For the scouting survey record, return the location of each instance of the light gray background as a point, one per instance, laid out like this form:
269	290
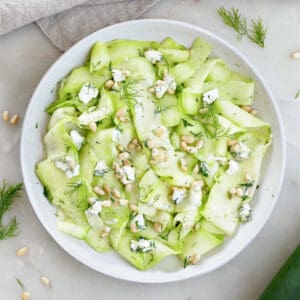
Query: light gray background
26	54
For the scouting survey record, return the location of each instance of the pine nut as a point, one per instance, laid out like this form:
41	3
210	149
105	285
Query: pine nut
121	112
157	227
232	143
295	55
5	116
131	146
115	166
253	112
133	207
105	231
183	145
15	119
203	111
127	162
150	144
170	91
106	203
196	169
138	148
45	280
188	139
109	84
22	251
134	141
106	188
239	192
195	259
128	187
183	164
123	156
92	200
246	108
160	131
123	202
25	295
93	126
98	190
232	191
133	228
248	177
116	194
199	144
151	90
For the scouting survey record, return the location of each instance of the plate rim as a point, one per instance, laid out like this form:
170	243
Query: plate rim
278	118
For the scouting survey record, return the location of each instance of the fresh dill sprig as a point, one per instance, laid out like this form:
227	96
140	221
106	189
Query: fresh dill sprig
297	94
211	124
20	283
7	195
233	18
258	33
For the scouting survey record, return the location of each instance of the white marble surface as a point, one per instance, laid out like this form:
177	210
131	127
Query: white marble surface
25	55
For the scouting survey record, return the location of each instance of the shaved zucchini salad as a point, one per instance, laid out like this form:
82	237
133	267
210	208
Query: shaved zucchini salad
153	149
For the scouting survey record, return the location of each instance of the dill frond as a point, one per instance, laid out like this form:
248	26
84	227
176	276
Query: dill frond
233	18
258	33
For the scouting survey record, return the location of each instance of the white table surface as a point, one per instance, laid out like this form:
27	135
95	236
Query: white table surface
26	54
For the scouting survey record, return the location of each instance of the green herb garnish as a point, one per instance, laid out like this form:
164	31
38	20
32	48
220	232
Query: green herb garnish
7	195
203	169
186	261
233	18
20	283
297	94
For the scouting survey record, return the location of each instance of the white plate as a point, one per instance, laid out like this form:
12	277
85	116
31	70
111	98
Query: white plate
171	268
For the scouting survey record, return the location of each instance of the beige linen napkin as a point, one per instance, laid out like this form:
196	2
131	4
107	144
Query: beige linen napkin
65	22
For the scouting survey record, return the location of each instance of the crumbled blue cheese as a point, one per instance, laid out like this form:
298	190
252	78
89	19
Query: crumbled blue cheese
142	245
77	138
178	194
153	56
127	174
119	75
170	81
245	212
195	193
67	165
161	86
95	209
87	93
240	151
233	167
116	135
210	96
139	221
101	168
92	115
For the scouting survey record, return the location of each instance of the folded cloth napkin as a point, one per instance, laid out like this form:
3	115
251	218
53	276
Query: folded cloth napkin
65	22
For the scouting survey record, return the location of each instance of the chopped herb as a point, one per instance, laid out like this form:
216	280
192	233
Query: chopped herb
73	187
186	123
36	125
233	18
297	94
47	193
7	195
20	283
211	124
203	169
186	261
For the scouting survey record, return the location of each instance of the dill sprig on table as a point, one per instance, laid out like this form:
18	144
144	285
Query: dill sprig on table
258	33
7	195
233	18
